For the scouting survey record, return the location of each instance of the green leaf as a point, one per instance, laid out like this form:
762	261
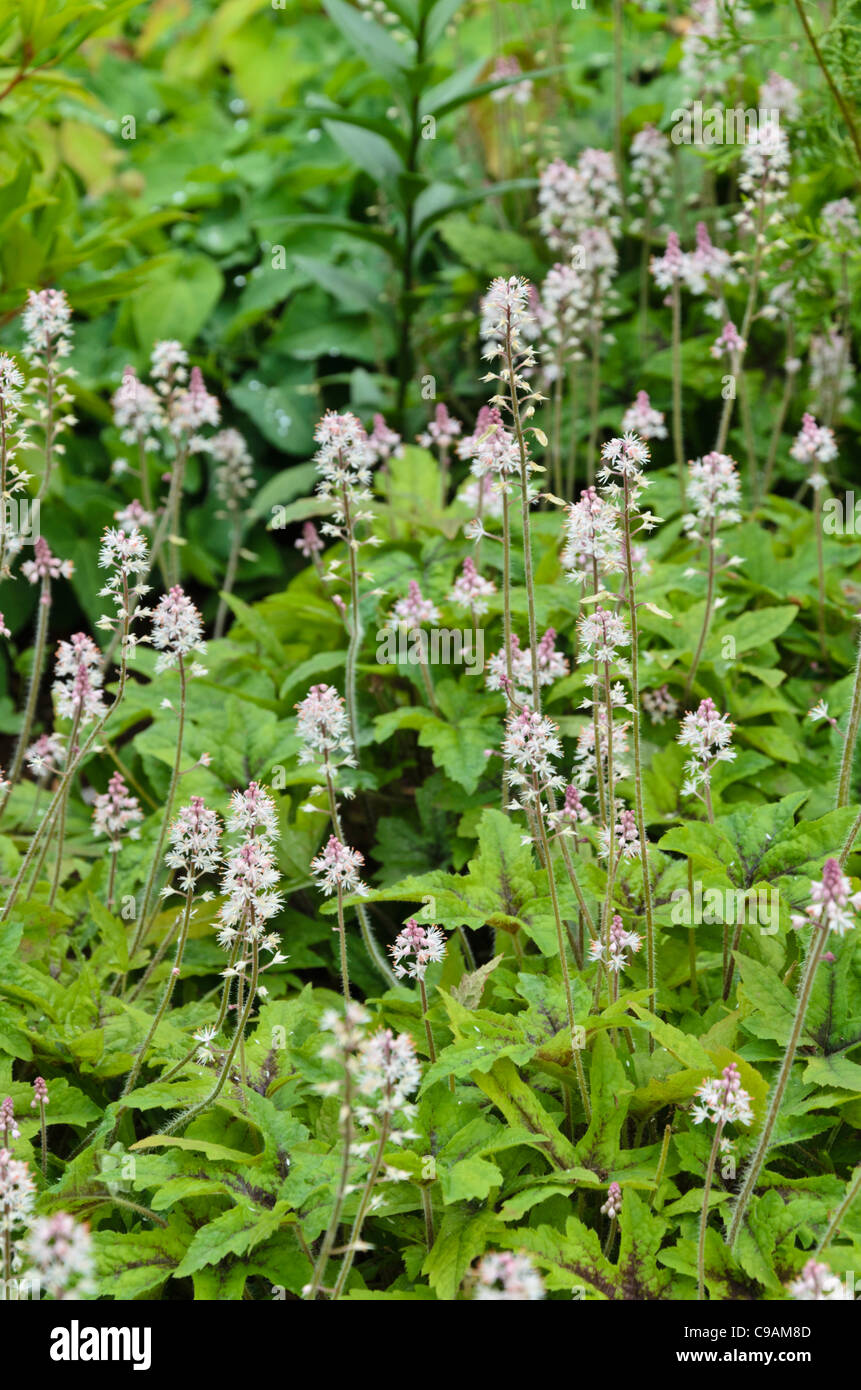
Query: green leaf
379	50
520	1105
236	1232
131	1264
610	1091
176	302
461	1238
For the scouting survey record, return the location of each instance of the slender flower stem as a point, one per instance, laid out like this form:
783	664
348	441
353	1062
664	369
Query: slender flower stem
844	785
612	862
50	430
832	86
574	401
355	624
820	569
69	772
222	1013
814	955
43	1129
596	724
334	1221
347	1263
779	421
704	1218
229	576
370	941
342	935
563	957
594	399
427	1210
64	802
506	616
42	613
651	962
163	530
834	1225
524	516
144	921
850	841
662	1161
112	876
167	996
204	1104
645	254
428	685
707	616
678	435
428	1033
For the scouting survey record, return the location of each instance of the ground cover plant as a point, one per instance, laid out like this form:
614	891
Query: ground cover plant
430	691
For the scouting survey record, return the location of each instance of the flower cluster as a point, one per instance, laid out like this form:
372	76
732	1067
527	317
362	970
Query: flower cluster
517	92
189	410
415	609
643	419
723	1100
660	705
816	1282
415	948
387	1073
47	325
572	199
78	680
177	631
116	812
383	443
249	881
713	494
323	725
729	343
57	1255
45	565
124	552
832	904
593	544
337	868
470	590
708	735
195	848
613	1204
531	745
778	93
505	1277
441	431
832	375
626	838
13	438
620	941
651	173
45	755
343	461
551	665
234	473
764	177
138	412
814	445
